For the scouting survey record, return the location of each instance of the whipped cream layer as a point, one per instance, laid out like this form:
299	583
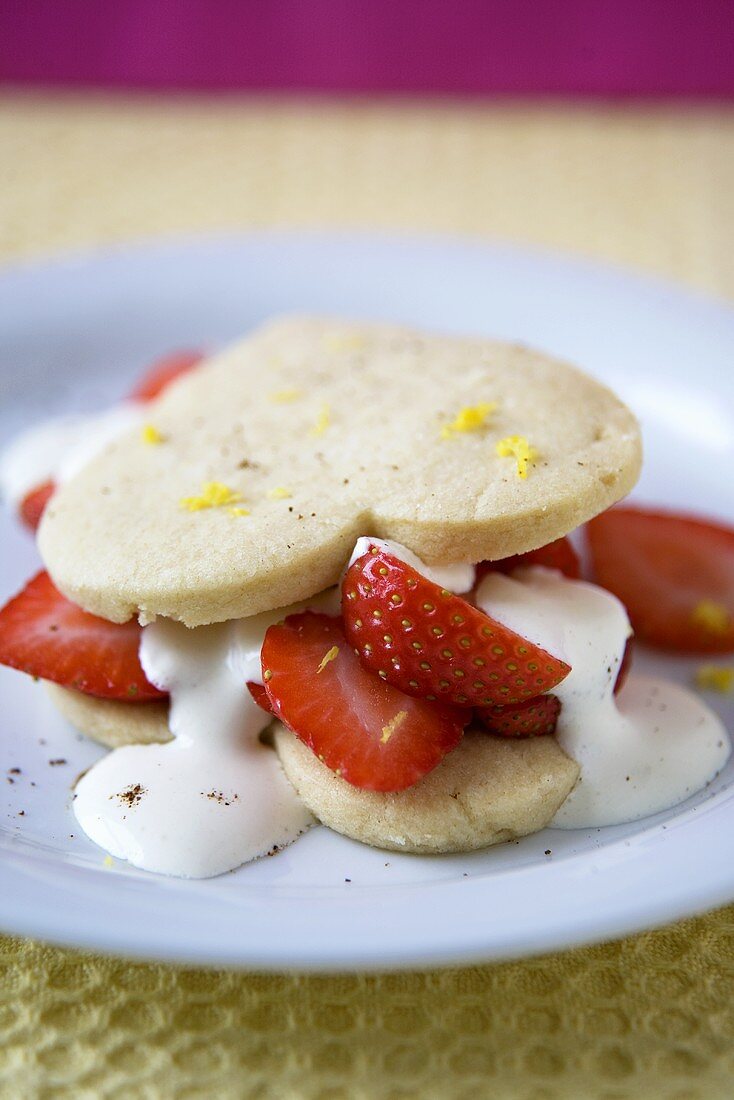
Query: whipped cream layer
643	751
216	797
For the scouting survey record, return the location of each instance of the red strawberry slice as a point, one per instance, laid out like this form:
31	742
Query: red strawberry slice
534	718
163	372
33	504
555	555
44	634
538	717
366	731
428	642
673	573
259	695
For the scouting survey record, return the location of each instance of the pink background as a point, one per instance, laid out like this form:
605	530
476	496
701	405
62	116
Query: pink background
588	47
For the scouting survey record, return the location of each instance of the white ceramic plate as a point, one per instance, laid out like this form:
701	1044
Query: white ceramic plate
74	333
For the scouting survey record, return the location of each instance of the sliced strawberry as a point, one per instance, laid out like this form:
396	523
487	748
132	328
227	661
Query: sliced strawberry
538	717
673	573
555	555
428	642
33	504
259	695
534	718
44	634
366	731
163	372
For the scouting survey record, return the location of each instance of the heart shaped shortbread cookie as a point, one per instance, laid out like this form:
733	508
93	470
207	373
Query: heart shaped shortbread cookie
258	471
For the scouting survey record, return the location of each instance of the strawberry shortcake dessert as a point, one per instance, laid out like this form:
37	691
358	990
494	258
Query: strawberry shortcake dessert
335	574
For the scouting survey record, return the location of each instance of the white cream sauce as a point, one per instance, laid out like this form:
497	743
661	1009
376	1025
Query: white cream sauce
215	797
58	449
646	750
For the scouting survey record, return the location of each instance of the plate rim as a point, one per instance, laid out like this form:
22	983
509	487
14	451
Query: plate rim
130	247
334	957
651	909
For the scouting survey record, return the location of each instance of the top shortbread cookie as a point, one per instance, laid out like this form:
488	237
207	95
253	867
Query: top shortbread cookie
259	470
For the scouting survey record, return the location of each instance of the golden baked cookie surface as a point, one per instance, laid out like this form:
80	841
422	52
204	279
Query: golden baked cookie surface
268	462
110	722
486	791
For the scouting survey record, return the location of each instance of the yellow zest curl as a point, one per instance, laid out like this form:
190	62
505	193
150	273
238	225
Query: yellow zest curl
332	655
517	447
711	617
238	511
394	724
279	493
469	419
214	494
150	434
715	678
284	397
322	421
343	341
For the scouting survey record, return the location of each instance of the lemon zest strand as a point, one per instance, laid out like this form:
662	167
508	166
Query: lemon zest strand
322	421
517	447
331	655
150	434
711	616
715	678
392	725
469	419
342	341
214	494
284	397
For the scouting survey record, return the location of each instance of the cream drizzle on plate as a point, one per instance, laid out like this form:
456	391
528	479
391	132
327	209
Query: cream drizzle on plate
215	797
645	750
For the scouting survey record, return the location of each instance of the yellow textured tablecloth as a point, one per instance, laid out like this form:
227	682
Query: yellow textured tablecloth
651	1016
